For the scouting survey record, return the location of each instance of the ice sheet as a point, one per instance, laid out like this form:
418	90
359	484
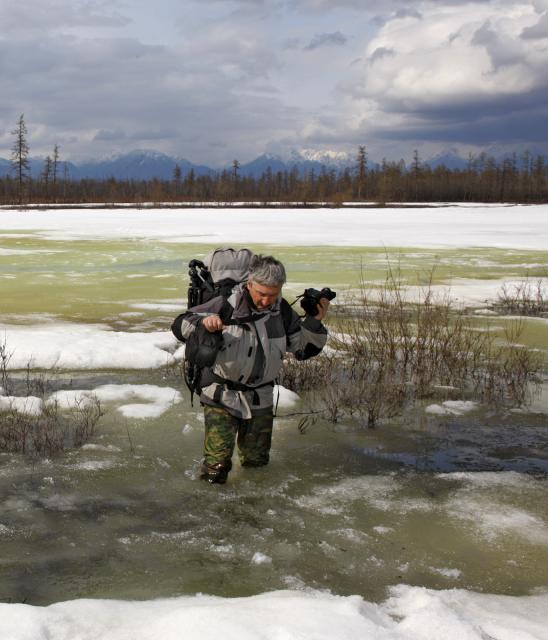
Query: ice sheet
517	226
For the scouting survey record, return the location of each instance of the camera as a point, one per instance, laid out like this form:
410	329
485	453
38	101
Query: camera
311	298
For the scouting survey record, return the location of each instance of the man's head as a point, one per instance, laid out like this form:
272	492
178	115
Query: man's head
266	279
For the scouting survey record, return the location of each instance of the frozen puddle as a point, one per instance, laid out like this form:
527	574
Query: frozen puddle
410	613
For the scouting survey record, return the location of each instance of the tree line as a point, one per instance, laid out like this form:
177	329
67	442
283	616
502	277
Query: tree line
485	179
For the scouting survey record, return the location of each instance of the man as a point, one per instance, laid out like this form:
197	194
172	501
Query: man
258	326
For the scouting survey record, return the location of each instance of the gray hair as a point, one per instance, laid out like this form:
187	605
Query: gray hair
268	271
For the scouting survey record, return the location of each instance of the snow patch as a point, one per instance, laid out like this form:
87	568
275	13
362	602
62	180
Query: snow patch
518	226
77	347
157	399
29	405
334	499
261	558
496	520
383	530
446	573
410	613
287	398
452	407
158	306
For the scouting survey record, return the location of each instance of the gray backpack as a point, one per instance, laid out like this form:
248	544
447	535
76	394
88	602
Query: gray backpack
218	274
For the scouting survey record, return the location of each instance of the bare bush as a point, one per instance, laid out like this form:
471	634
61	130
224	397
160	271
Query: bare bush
33	425
51	431
390	352
525	298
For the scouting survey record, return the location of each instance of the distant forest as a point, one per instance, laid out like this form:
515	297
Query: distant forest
485	179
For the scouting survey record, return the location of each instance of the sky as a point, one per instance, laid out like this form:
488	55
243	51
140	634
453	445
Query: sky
214	80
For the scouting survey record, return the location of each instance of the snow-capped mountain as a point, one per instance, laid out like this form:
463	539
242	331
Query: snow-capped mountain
327	157
148	164
141	164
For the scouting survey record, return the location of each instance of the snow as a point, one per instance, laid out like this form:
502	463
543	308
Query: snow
151	306
157	399
493	521
261	558
65	345
517	226
410	613
28	405
446	573
452	407
286	398
468	291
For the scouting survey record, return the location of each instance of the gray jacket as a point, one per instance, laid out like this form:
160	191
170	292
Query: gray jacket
252	352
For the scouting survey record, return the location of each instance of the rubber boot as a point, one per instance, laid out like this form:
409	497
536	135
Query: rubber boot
215	473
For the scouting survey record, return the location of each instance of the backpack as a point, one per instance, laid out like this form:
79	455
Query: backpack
217	275
220	272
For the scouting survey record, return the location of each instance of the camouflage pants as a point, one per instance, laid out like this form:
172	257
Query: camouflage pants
222	430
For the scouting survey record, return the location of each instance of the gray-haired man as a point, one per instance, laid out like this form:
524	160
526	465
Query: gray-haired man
236	391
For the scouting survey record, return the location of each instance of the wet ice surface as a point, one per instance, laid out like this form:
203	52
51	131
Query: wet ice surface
351	511
452	500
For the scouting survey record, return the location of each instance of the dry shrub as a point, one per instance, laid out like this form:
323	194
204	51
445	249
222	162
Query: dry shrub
52	430
390	352
526	298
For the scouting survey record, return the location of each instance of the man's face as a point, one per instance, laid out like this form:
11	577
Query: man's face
263	296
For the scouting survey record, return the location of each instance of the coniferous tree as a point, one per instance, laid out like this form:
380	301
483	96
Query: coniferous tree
235	177
54	170
361	170
177	178
20	156
47	174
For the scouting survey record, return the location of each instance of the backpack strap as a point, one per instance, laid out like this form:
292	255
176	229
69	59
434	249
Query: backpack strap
287	314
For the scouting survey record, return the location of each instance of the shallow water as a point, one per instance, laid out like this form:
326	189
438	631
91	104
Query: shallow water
435	501
346	509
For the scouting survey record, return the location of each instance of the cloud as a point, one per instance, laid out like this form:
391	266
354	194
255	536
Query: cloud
538	31
103	134
381	52
42	16
447	73
218	79
326	40
452	56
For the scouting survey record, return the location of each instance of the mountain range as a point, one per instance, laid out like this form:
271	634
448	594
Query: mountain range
147	164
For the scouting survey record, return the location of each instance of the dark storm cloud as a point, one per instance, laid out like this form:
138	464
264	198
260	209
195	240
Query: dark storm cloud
484	130
326	40
518	118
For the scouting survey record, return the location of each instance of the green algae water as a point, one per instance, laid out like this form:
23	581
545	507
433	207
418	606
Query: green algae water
440	502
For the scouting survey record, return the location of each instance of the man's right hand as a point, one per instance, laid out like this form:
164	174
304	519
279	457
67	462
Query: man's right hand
213	323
